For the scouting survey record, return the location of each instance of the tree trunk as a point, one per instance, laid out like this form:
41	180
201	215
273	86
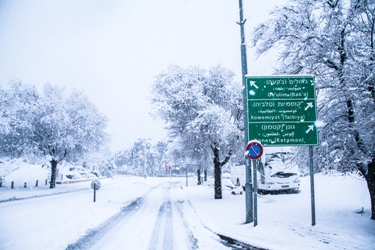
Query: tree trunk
370	174
370	178
217	170
217	174
53	173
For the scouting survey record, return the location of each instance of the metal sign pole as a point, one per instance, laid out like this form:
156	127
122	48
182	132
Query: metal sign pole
255	192
254	151
94	192
312	185
249	194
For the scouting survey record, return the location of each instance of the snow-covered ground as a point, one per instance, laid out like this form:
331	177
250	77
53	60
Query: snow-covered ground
284	220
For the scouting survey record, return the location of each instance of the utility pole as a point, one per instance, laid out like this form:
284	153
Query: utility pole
145	166
248	184
133	162
186	168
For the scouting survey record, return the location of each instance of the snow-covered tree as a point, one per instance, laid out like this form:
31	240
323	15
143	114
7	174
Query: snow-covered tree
123	157
50	124
17	107
143	155
98	160
201	109
160	150
333	40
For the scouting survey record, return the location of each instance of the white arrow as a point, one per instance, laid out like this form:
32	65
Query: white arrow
311	128
309	105
252	84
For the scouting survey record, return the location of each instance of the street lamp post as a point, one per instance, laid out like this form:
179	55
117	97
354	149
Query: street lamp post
186	168
146	152
170	169
133	161
139	164
248	184
144	169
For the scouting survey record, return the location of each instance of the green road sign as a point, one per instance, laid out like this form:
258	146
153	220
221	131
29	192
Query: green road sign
284	134
282	110
280	87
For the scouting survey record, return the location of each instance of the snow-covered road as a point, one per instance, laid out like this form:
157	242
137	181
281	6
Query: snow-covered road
164	213
129	213
153	221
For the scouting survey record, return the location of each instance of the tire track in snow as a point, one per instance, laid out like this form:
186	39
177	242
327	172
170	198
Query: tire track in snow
163	234
147	223
93	236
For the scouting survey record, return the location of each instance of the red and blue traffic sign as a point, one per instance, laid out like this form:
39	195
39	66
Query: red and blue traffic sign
254	150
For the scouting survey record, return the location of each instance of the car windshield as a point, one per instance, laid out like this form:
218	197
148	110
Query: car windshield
283	175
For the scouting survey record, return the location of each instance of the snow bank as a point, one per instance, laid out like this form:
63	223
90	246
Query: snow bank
20	172
26	173
284	220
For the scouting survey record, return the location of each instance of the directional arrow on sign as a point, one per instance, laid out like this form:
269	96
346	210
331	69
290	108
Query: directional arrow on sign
252	84
309	105
310	128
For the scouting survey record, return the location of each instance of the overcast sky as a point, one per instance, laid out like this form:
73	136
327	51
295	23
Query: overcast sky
113	49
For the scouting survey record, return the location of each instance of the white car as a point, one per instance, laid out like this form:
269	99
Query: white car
279	181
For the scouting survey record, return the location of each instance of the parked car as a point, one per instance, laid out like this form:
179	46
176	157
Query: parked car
279	181
276	172
276	182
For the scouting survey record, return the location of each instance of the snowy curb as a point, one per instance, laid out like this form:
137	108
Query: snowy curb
40	195
79	180
232	241
228	239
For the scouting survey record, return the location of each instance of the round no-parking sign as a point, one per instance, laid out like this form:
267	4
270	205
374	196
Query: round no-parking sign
95	184
254	150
